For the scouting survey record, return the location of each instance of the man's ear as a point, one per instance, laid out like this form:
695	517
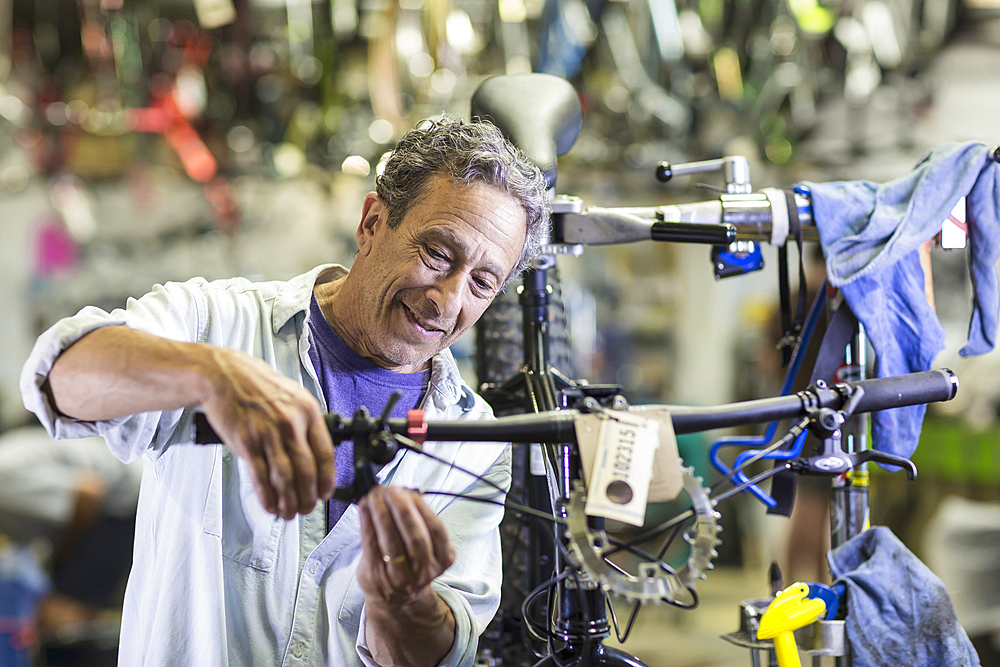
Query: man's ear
372	216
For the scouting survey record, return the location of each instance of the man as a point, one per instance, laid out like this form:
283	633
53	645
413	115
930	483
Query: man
233	563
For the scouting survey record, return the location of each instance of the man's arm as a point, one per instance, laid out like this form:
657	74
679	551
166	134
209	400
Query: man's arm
270	421
405	547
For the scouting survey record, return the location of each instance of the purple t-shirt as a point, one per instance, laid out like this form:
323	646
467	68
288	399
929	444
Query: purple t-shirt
350	381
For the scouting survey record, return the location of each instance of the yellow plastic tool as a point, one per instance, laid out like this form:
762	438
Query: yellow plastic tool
790	610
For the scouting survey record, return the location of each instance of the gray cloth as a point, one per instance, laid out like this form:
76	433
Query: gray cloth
898	611
870	235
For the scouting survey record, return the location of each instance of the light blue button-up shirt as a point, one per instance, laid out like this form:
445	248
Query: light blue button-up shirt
215	579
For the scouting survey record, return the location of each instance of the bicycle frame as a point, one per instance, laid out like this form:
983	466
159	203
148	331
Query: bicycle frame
737	216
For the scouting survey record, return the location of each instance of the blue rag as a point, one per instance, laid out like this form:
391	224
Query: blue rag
898	611
870	234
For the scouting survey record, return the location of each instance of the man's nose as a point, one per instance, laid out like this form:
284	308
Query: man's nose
448	294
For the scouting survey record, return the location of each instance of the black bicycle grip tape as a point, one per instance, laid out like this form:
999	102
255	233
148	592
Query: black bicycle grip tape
913	389
688	232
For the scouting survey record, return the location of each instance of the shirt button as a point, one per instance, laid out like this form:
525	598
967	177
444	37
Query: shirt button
314	568
298	650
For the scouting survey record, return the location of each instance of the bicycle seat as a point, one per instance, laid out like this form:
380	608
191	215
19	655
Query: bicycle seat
538	113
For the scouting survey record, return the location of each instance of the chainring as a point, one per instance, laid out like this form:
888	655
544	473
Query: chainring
653	583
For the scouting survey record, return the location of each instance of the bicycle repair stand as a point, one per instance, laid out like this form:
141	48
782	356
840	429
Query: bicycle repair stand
849	517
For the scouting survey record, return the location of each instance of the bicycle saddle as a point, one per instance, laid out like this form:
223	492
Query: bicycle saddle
538	113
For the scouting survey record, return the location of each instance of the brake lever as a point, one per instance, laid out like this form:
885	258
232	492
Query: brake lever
833	460
364	477
908	466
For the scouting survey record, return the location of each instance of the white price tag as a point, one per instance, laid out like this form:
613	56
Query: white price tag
667	482
621	465
536	458
955	230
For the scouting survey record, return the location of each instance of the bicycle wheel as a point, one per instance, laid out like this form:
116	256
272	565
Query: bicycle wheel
499	356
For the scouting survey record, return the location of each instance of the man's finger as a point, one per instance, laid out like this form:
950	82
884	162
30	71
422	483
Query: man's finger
261	483
390	543
444	551
280	473
369	542
323	453
412	527
300	456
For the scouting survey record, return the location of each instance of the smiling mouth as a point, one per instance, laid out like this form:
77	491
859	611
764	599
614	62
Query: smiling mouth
420	322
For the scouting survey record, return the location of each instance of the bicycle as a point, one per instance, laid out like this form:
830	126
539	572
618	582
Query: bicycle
584	546
734	225
582	573
535	385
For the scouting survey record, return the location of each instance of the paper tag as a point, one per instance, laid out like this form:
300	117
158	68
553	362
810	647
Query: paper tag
955	230
667	482
621	464
536	460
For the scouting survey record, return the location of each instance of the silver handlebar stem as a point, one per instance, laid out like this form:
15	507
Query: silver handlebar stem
752	214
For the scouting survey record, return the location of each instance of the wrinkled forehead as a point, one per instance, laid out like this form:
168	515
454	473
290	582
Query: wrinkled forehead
475	216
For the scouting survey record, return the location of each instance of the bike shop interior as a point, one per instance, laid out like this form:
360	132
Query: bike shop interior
145	141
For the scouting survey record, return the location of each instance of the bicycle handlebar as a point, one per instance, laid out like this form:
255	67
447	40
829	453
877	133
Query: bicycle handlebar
879	394
732	217
558	426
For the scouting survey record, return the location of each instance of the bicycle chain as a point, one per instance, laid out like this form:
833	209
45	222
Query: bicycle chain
652	583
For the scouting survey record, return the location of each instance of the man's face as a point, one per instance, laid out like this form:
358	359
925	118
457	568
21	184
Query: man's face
427	281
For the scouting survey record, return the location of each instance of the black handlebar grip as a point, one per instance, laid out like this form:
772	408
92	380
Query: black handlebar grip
687	232
880	394
913	389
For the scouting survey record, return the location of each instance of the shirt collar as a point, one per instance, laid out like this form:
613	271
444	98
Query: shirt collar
445	379
295	296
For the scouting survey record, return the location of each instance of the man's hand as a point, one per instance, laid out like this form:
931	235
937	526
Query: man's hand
277	427
268	420
405	546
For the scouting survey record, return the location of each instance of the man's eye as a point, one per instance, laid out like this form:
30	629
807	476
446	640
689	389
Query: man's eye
435	254
485	285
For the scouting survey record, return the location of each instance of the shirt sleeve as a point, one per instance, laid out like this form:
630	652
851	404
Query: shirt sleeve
170	311
463	650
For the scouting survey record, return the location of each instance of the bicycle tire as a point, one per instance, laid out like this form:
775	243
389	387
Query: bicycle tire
499	353
499	356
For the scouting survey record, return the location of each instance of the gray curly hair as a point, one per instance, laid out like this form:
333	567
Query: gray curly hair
465	152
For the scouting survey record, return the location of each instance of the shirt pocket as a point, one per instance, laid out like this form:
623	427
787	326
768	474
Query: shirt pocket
354	602
249	534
